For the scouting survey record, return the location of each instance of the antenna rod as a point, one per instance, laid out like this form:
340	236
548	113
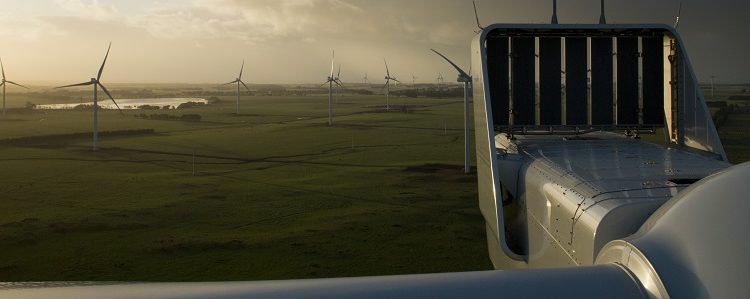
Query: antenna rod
602	19
554	11
679	12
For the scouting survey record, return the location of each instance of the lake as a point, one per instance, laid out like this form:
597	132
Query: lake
173	103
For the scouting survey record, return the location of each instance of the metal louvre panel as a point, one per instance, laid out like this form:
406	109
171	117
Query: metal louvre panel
627	81
653	81
601	81
497	65
576	104
550	86
523	76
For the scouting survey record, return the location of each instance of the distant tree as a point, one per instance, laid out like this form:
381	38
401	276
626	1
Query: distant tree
190	105
191	117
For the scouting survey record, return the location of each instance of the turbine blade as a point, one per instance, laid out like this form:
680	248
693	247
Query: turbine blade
2	67
79	84
16	84
386	84
333	56
387	72
110	96
241	68
476	15
394	79
339	73
324	84
243	84
3	83
338	82
235	81
101	69
460	71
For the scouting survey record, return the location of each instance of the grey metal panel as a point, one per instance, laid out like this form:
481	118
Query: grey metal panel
582	193
499	81
550	86
695	245
601	281
601	81
523	77
627	81
653	81
576	81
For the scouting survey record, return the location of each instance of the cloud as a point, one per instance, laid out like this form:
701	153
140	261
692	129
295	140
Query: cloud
294	37
25	28
93	9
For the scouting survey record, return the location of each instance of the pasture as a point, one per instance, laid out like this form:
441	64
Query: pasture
272	193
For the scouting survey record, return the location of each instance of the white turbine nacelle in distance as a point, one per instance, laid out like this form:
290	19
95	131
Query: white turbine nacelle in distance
464	78
388	78
330	80
239	81
4	82
97	84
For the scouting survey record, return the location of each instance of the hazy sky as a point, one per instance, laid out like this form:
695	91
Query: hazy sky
289	41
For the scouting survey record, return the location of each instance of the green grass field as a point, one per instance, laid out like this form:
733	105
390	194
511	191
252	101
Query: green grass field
277	194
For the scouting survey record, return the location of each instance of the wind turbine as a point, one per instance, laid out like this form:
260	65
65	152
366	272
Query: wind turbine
97	83
365	80
2	83
413	80
440	80
466	80
330	81
388	78
238	81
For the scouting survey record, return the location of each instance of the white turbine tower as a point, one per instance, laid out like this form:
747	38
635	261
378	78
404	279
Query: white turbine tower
330	81
239	81
388	78
3	83
97	83
466	80
413	80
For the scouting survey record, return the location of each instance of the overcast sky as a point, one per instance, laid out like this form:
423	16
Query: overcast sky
289	41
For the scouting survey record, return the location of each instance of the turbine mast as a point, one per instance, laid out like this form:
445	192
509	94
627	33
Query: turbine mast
466	79
96	117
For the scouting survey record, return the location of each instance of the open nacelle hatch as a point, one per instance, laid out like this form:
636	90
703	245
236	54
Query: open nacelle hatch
569	79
